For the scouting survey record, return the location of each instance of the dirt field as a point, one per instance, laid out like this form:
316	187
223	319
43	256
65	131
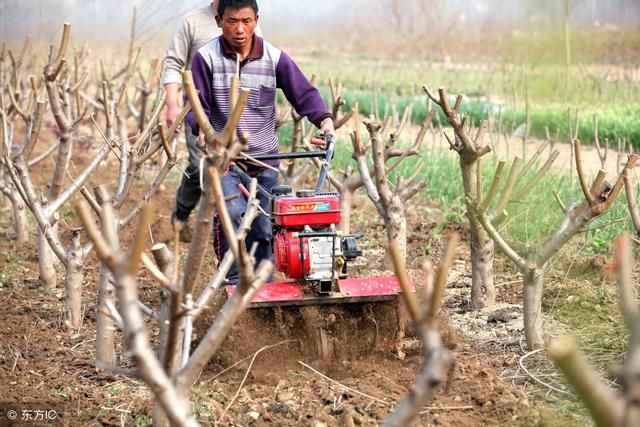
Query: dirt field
263	376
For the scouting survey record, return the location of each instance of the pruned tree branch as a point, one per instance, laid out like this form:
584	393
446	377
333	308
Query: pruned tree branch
437	358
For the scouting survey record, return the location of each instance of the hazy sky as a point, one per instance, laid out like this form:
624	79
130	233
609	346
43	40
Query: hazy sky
19	17
109	19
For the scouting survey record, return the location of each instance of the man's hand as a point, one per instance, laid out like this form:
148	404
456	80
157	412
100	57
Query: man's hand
172	112
200	142
326	127
172	102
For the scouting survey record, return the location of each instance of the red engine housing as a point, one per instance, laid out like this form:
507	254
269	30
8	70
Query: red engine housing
286	251
293	213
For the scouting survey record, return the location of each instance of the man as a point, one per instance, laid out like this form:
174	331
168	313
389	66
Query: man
263	68
196	29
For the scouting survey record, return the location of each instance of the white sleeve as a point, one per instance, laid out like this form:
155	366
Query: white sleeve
175	59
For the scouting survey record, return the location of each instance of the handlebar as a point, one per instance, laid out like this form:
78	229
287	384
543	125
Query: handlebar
324	167
326	155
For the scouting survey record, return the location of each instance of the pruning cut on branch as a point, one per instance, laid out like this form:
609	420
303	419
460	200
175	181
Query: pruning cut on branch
470	151
389	202
436	358
598	198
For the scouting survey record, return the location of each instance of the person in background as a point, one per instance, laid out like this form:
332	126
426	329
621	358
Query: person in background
195	30
263	69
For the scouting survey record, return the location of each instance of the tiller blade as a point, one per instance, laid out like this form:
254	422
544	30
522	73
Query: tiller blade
354	290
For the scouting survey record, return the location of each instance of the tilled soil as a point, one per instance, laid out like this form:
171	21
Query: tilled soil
265	373
45	365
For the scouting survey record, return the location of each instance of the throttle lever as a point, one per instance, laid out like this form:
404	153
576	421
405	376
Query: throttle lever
318	142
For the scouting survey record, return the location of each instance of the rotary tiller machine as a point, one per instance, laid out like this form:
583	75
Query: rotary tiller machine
309	248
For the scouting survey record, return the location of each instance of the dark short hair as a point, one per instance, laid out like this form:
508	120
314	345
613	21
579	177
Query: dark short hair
236	4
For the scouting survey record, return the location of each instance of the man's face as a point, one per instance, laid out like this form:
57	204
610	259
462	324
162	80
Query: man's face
238	26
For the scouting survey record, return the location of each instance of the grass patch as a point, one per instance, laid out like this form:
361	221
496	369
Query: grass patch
530	221
382	86
615	122
586	304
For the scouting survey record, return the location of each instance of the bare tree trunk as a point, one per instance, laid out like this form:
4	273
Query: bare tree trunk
346	197
396	225
20	221
567	40
389	202
169	304
471	151
166	303
73	284
46	263
177	407
105	340
62	163
160	418
599	196
200	239
169	353
533	282
483	292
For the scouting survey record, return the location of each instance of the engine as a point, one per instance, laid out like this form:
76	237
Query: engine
307	244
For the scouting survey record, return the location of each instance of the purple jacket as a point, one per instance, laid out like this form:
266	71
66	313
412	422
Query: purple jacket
263	70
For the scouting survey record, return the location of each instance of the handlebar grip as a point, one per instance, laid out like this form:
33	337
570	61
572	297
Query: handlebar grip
324	171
